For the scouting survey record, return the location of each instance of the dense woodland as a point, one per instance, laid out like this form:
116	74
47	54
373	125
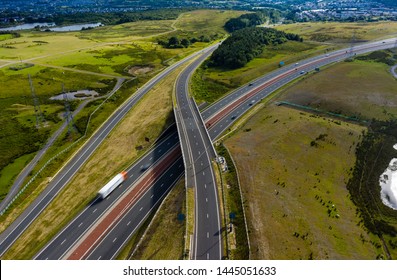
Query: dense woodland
245	44
253	19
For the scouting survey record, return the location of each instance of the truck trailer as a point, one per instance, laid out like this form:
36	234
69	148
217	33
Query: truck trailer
112	185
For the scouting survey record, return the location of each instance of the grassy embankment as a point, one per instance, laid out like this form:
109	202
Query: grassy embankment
164	238
292	160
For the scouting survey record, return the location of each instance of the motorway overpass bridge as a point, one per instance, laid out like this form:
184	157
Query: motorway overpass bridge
198	153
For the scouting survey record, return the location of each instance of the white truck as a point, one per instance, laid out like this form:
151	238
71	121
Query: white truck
112	185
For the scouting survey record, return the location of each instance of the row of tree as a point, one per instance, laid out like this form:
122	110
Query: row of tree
245	44
174	42
243	21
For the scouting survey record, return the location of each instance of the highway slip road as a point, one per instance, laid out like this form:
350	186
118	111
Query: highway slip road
198	151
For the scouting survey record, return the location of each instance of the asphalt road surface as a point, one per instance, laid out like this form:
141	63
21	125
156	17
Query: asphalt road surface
198	151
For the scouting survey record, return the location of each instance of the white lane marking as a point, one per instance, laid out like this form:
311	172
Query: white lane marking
208	215
172	175
162	184
206	199
95	210
208	256
205	185
152	196
114	239
140	209
99	257
203	173
80	224
208	234
128	223
63	241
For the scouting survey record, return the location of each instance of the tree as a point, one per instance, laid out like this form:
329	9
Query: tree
185	42
173	42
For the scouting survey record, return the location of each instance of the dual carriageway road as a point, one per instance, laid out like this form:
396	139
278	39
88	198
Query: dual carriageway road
223	113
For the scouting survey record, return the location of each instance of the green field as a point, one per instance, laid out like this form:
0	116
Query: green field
127	32
205	22
363	89
292	161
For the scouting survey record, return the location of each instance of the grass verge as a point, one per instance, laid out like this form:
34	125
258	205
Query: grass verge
291	161
234	216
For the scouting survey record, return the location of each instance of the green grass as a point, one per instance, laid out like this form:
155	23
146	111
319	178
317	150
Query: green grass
363	89
9	173
114	59
27	47
304	186
206	22
237	240
18	118
127	31
4	37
